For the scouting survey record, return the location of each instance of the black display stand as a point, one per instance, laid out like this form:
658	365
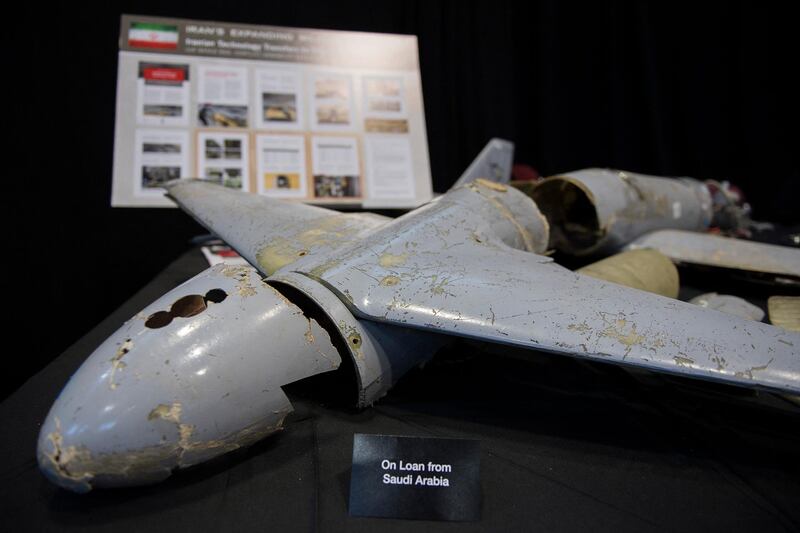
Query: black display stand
565	446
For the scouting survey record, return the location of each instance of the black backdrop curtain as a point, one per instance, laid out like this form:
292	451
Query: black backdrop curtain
698	89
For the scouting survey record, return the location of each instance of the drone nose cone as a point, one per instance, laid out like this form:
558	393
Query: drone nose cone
196	374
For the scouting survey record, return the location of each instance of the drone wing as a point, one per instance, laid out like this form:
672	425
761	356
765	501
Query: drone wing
450	268
268	233
781	263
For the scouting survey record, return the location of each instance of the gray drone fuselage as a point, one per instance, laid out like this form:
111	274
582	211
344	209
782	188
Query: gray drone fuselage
199	372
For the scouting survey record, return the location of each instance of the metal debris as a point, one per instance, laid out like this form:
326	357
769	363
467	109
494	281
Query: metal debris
727	303
600	210
784	312
781	264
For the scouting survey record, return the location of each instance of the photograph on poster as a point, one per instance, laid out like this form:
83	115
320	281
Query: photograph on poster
233	148
282	181
382	125
223	157
161	155
222	116
336	114
213	149
281	163
383	87
336	186
332	88
229	177
162	94
336	167
385	106
155	177
279	107
170	148
150	110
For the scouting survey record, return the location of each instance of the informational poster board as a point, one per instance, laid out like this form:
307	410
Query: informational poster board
326	117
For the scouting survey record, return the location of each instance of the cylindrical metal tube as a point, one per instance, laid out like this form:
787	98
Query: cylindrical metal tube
600	210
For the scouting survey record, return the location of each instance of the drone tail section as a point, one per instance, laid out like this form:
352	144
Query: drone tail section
492	164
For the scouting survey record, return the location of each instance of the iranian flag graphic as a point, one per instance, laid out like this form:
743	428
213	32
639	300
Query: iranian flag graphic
148	35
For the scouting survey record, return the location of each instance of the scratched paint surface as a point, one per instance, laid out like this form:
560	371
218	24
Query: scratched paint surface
460	267
269	233
381	353
177	385
198	373
494	163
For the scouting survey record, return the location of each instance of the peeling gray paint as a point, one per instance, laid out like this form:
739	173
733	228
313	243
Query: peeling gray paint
269	233
190	385
496	291
193	389
601	210
380	353
493	163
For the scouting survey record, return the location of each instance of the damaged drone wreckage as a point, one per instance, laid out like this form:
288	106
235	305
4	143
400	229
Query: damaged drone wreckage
200	371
